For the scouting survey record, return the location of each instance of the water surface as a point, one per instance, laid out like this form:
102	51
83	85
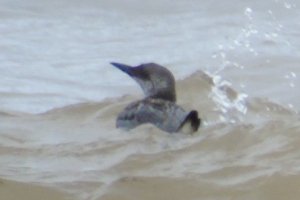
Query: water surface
235	62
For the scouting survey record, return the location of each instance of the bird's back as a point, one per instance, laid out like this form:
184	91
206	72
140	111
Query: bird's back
165	115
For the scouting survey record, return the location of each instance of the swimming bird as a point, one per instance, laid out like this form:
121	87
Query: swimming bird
159	105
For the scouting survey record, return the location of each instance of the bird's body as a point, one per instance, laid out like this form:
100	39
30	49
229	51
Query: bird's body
159	106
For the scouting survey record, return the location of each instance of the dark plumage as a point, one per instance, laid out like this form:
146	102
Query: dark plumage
159	106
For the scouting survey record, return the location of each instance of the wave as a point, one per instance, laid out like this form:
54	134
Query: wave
243	142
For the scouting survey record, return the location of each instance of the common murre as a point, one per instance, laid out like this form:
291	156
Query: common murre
159	106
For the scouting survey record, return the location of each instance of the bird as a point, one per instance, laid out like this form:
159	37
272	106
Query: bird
158	107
